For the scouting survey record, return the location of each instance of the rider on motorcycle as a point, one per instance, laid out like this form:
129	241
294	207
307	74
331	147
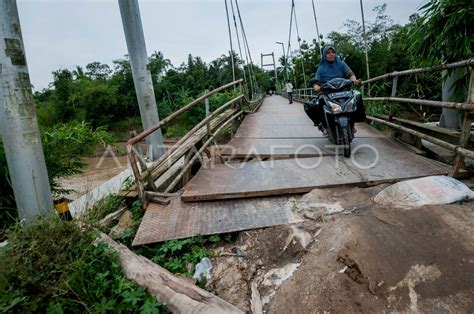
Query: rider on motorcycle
331	66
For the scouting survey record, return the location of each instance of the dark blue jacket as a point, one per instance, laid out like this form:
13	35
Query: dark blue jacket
329	70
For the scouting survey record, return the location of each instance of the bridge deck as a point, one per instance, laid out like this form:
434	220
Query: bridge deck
265	134
274	132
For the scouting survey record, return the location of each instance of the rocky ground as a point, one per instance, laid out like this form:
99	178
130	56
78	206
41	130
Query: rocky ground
351	255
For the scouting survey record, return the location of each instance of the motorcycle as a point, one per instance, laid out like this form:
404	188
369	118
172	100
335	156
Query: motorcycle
340	102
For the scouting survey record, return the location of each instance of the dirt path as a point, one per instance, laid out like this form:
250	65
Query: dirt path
352	256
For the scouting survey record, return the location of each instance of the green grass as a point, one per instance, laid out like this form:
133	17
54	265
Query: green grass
53	266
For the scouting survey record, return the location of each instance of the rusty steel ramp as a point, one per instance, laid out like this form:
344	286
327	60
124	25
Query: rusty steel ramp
300	147
300	175
181	220
311	160
248	130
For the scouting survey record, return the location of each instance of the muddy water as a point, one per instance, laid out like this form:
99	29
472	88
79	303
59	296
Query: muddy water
99	170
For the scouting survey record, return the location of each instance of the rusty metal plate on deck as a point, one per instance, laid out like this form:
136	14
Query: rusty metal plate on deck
181	220
251	130
290	118
297	147
378	163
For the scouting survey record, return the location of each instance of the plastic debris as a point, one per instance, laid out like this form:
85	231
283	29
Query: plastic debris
424	191
239	253
203	269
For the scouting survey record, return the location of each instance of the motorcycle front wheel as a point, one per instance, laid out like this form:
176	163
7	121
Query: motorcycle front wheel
346	140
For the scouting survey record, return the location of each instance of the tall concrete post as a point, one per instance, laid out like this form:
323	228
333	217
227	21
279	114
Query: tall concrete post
451	118
132	26
18	123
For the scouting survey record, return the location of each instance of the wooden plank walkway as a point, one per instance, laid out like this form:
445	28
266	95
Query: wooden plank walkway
376	158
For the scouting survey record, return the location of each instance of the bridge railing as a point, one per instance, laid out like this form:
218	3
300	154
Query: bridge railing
214	122
457	142
301	94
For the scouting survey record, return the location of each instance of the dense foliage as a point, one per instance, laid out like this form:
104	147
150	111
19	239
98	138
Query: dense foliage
105	96
53	266
63	144
443	32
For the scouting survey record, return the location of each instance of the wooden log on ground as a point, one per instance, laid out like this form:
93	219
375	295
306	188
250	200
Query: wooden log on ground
177	294
160	194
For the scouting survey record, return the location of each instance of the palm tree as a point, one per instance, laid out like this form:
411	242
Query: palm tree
158	66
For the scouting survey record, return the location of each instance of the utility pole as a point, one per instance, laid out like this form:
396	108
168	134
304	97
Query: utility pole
132	26
18	122
365	44
284	58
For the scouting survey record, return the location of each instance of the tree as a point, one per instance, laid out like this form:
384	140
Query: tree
158	66
444	33
98	71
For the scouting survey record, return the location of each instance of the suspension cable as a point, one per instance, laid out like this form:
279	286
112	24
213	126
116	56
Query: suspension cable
318	40
289	33
230	39
238	42
299	43
246	45
245	51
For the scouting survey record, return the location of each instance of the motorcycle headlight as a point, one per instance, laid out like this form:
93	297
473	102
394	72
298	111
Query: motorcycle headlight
335	107
350	106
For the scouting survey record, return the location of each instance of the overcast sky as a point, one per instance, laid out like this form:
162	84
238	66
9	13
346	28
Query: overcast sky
63	34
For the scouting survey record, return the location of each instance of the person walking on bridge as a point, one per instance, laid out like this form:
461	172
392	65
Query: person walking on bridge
289	91
331	66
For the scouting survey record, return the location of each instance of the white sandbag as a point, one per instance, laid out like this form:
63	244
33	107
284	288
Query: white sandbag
424	191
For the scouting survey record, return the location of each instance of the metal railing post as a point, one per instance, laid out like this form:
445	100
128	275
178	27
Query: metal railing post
206	104
394	94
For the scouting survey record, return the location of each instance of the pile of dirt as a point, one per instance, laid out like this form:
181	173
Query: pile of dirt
353	256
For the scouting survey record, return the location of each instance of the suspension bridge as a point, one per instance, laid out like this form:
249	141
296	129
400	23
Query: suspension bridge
246	166
274	152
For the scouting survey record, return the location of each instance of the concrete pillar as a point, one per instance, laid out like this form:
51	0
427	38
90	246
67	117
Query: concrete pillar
452	118
18	123
132	25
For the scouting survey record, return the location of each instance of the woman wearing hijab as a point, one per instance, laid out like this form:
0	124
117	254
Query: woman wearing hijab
331	66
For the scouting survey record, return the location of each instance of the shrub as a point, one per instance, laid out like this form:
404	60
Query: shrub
53	266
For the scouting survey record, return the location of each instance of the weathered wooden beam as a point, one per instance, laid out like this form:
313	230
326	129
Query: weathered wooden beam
213	115
433	103
173	116
460	64
182	149
179	295
453	148
447	135
209	140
